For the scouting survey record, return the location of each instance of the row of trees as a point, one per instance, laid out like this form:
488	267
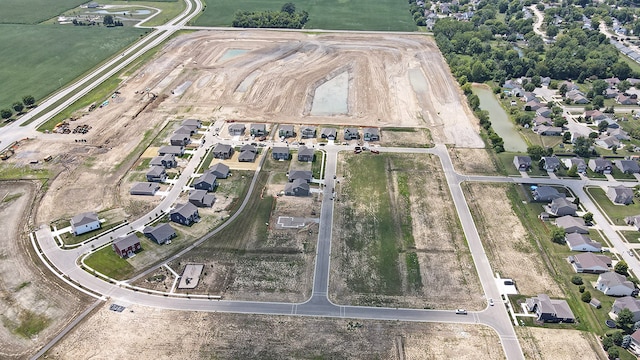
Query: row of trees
286	18
27	101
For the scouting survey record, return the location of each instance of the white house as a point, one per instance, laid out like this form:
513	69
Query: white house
85	222
614	284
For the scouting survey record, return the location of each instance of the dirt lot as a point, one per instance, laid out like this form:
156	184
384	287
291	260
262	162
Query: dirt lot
33	307
505	240
196	335
558	344
472	161
426	226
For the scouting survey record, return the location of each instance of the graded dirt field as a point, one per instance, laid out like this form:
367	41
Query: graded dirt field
505	240
164	334
34	308
397	240
558	344
473	161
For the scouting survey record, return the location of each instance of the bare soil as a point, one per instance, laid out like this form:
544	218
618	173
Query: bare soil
559	344
196	335
34	307
473	161
505	240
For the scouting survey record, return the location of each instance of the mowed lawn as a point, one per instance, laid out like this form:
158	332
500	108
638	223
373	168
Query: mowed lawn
616	213
38	59
34	11
381	15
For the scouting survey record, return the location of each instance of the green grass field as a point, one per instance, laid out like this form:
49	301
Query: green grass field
389	15
109	263
34	11
616	213
46	57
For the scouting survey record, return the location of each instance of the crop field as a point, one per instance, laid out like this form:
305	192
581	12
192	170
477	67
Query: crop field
34	11
49	56
382	15
397	240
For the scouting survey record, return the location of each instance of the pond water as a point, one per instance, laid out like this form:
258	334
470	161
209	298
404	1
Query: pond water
231	53
331	98
500	121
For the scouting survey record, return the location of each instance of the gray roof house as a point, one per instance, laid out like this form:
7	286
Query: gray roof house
298	187
144	188
546	193
201	198
329	133
561	207
351	134
305	175
307	132
180	139
223	151
85	222
171	150
157	174
220	170
600	165
550	310
607	142
572	224
626	302
185	214
590	263
618	134
581	166
545	130
258	129
634	347
581	242
248	147
551	163
544	111
168	161
522	163
280	153
613	284
305	154
371	134
620	194
286	131
627	166
192	122
161	234
126	246
246	156
236	129
633	220
187	130
206	181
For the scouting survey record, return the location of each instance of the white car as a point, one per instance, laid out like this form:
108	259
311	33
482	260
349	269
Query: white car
490	302
461	312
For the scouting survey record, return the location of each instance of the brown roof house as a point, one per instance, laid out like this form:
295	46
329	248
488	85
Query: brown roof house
85	222
590	263
561	207
185	214
550	310
298	187
161	234
126	246
620	194
613	284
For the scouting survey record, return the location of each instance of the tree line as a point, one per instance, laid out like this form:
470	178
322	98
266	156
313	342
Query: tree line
27	101
286	18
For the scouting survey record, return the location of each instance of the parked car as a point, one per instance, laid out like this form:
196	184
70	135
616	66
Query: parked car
461	312
375	151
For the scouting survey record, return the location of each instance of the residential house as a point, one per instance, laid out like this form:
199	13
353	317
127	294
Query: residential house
590	263
305	154
613	284
329	133
572	224
528	96
179	139
220	170
627	166
595	115
371	134
185	214
201	198
249	147
601	166
85	222
620	194
157	174
307	132
246	156
618	133
561	207
626	302
192	123
517	91
610	93
581	166
510	84
126	246
351	134
171	150
223	151
280	153
570	86
258	129
623	99
633	220
541	121
305	175
581	242
533	105
576	96
286	131
612	81
236	129
298	187
550	310
607	142
551	163
544	112
522	163
545	130
634	347
186	130
161	234
167	161
144	188
206	181
546	193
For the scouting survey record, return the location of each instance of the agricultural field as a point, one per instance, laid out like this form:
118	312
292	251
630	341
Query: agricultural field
383	15
34	11
397	240
51	56
197	335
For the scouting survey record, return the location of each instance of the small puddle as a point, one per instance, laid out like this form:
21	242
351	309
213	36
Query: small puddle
231	53
331	98
418	81
247	82
182	88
